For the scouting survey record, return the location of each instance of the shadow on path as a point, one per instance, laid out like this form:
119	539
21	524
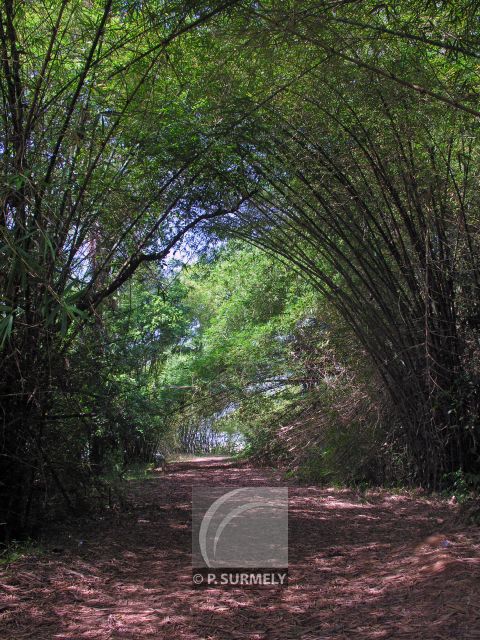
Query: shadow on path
390	567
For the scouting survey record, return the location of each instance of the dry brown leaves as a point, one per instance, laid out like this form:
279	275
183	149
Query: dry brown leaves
391	566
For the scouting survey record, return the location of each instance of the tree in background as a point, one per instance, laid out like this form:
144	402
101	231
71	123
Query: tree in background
251	350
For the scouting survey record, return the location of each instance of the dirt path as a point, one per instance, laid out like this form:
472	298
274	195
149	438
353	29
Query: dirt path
358	569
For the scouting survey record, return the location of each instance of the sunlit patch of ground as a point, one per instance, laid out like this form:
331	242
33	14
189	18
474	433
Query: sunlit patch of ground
187	457
374	567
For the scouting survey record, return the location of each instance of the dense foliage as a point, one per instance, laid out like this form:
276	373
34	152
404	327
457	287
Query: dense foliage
238	362
340	136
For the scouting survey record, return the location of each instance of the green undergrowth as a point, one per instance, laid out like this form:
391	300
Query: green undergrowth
18	549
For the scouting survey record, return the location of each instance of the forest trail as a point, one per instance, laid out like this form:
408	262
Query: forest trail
359	568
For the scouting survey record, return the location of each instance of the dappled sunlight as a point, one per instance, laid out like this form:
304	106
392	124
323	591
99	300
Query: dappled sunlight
239	248
358	569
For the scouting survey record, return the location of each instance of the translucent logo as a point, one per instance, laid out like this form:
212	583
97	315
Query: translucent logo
243	527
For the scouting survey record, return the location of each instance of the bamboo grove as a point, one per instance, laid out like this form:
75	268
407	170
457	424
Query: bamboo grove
340	136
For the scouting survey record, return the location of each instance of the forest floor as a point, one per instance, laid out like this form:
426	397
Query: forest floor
383	565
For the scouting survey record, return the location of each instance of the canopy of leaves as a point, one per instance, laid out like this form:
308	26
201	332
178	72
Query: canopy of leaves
340	136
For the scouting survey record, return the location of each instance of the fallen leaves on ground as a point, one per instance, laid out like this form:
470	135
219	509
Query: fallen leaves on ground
375	567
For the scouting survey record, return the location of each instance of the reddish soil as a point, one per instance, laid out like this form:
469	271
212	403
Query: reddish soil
388	566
